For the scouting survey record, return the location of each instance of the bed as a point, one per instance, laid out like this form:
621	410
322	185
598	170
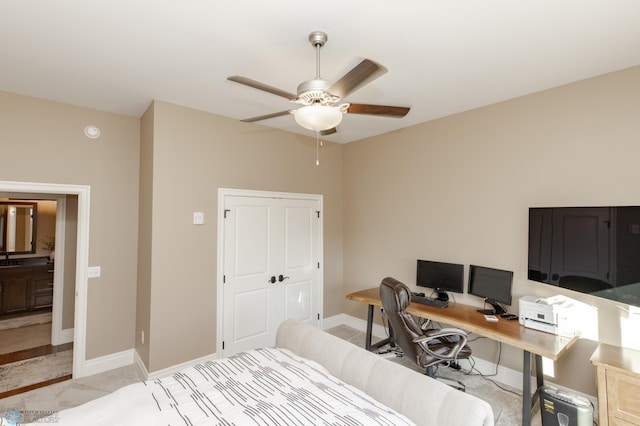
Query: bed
309	378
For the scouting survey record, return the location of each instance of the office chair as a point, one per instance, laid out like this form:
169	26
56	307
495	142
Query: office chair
427	348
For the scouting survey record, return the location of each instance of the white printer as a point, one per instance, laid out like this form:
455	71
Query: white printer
554	314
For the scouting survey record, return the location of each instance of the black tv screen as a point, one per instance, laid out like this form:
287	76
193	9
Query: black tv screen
593	250
440	276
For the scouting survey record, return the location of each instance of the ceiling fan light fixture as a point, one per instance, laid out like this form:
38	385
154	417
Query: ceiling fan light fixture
318	117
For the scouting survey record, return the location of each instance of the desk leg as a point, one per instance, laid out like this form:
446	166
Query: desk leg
539	372
367	340
526	389
529	401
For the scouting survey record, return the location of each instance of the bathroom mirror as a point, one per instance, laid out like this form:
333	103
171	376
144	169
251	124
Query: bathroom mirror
17	227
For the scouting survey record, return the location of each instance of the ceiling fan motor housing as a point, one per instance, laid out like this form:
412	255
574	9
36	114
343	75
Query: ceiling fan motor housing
315	92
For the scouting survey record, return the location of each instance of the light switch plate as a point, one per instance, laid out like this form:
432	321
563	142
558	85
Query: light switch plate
93	272
198	218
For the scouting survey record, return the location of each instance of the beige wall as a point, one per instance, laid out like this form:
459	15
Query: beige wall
45	225
455	189
143	291
193	154
458	189
43	141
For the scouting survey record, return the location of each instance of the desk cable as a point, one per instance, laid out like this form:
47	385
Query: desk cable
487	376
427	323
473	368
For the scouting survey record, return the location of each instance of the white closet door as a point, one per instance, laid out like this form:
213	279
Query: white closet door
300	260
270	268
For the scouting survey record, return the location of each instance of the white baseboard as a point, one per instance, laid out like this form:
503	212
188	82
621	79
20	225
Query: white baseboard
175	368
65	336
142	369
504	375
108	362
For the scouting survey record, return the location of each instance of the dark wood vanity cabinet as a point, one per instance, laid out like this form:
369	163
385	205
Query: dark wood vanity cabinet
15	290
25	288
41	291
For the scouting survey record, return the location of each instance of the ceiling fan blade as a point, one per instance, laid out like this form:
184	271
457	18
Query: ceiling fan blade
328	131
261	86
363	73
384	110
266	116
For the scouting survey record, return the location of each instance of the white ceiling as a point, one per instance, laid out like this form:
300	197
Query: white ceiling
443	57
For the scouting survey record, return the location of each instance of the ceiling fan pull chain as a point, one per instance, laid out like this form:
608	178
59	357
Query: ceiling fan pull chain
317	148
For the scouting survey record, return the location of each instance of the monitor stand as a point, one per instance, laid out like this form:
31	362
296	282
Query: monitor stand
498	309
442	295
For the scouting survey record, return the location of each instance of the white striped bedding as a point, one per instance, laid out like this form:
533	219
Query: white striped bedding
259	387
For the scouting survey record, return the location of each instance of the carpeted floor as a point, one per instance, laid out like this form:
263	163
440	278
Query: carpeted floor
70	393
26	355
506	404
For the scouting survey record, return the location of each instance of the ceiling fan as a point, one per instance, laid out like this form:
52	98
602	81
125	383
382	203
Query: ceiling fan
321	110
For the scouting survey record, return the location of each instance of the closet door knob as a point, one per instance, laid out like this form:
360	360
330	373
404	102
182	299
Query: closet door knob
282	278
272	280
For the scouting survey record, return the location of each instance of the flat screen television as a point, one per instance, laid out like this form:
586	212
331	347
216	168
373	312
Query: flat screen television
494	285
442	277
593	250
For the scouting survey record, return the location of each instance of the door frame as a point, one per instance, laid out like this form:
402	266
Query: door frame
57	335
225	192
82	257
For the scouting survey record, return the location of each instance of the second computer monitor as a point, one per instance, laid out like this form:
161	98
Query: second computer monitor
494	285
440	276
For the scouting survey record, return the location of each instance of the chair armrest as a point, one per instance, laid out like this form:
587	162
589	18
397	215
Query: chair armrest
438	334
444	332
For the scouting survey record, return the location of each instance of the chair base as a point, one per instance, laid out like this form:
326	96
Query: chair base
430	371
390	352
395	351
453	383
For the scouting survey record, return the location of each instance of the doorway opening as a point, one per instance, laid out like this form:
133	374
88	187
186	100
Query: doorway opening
36	291
77	262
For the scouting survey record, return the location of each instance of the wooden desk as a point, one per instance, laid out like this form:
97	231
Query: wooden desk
469	319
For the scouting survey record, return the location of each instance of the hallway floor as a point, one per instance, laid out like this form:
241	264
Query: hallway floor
31	336
26	338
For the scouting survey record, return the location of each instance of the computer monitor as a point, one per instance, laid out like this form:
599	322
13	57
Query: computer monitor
440	276
494	285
